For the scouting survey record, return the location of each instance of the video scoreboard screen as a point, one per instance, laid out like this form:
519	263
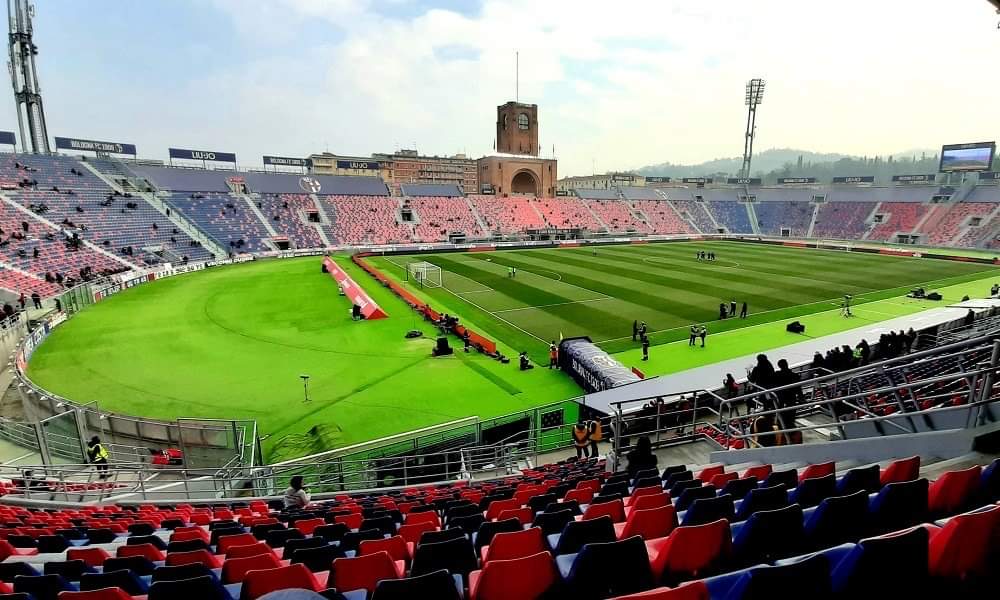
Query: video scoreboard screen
967	157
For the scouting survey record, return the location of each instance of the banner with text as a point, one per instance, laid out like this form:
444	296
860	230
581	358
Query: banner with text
364	165
788	180
697	180
186	154
7	137
354	293
286	161
855	179
64	143
592	367
743	181
993	175
913	178
657	180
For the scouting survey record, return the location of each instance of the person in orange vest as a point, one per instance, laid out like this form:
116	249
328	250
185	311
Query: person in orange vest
595	435
581	439
553	355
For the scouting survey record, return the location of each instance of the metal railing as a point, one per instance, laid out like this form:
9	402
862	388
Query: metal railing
963	392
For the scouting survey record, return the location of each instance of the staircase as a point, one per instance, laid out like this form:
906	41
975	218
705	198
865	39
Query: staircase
325	222
252	203
868	221
596	218
812	221
479	218
538	211
189	228
752	214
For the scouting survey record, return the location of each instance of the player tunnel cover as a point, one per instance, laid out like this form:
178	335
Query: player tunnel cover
591	367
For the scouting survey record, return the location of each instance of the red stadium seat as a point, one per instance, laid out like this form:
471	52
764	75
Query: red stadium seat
818	470
234	570
583	496
248	550
952	491
514	544
719	479
145	550
648	523
904	469
693	590
411	532
260	582
353	520
640	492
240	539
522	514
760	472
710	471
395	546
307	526
689	552
112	593
194	556
614	509
963	545
364	572
94	557
497	506
525	578
183	534
423	517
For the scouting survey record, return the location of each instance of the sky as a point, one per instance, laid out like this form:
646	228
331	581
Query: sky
619	84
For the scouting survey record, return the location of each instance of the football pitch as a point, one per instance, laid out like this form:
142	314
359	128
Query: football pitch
231	342
599	292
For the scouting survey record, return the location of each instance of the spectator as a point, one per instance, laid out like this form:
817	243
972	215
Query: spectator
36	300
788	399
581	439
641	457
22	300
296	496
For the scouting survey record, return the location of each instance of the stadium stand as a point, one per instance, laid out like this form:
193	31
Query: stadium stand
223	217
640	193
565	213
920	527
508	215
902	217
952	223
367	219
842	220
662	217
775	215
731	215
696	213
617	215
289	214
442	215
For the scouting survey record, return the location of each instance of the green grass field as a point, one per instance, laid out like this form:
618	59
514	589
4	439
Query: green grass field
231	342
598	293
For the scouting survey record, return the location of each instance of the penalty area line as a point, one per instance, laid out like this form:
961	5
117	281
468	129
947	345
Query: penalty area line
507	310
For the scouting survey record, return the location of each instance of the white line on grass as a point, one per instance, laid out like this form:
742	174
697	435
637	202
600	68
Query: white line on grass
489	312
653	260
507	310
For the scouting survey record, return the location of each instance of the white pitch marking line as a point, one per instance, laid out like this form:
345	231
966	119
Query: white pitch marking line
495	315
653	260
507	310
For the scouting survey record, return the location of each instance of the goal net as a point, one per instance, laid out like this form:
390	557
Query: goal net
836	245
424	274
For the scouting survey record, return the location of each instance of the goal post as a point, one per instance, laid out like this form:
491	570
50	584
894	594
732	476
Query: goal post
424	274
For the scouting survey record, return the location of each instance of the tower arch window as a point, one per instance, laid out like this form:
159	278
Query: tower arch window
522	121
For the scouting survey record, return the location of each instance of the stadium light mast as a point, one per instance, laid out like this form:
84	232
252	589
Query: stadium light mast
24	77
754	96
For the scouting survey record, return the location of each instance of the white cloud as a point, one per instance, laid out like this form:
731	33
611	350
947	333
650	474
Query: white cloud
622	84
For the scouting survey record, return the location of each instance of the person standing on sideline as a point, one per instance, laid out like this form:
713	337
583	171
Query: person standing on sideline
98	456
36	300
22	300
722	311
296	495
594	434
732	307
635	330
510	271
642	330
645	347
702	333
553	355
743	311
513	271
693	335
581	440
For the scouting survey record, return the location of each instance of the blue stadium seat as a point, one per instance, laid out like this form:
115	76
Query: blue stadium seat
899	505
768	535
861	478
836	520
602	570
893	565
707	510
765	498
814	490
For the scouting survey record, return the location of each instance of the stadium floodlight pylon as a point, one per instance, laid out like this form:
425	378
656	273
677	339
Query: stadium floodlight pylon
424	274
